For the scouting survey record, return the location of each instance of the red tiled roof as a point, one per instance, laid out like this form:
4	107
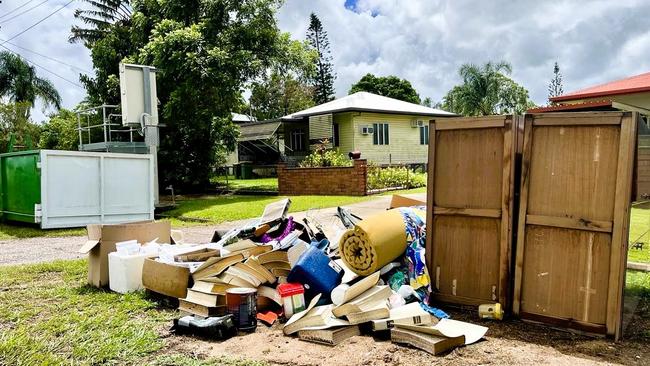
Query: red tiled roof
571	107
633	84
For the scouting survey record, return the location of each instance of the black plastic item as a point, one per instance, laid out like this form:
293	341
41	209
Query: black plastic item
220	328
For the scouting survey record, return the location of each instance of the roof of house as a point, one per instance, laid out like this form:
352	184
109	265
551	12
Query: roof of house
238	118
258	130
633	84
368	102
597	105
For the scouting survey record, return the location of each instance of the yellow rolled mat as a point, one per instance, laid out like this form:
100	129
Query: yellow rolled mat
375	241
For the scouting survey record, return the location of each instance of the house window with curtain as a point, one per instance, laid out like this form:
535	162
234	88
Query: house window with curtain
424	135
297	140
380	134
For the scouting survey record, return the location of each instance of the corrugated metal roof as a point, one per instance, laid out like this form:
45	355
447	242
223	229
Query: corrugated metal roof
633	84
368	102
238	117
258	131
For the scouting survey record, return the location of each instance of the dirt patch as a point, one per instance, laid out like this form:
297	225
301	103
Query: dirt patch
507	343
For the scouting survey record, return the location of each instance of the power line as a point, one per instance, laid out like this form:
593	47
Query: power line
39	22
46	56
23	12
42	67
9	12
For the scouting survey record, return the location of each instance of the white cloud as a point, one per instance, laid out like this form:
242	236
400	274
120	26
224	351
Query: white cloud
427	41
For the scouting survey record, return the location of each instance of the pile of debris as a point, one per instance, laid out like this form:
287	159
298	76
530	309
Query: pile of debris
368	276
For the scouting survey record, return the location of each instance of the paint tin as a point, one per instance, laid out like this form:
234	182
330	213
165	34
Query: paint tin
241	303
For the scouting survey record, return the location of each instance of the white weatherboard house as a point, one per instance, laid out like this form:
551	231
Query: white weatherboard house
384	130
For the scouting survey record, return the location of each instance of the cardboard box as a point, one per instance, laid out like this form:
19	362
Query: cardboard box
102	239
403	201
166	279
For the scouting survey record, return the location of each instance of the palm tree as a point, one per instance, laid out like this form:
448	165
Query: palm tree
482	86
19	82
103	14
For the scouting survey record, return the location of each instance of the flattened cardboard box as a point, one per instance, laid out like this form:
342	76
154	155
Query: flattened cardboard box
102	240
403	201
164	278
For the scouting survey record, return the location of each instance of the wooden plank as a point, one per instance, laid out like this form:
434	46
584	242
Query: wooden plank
618	255
506	216
469	168
466	256
457	300
477	212
470	123
565	273
578	118
431	202
523	207
564	324
569	223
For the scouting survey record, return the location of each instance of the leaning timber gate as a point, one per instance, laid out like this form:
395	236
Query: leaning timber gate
576	184
469	200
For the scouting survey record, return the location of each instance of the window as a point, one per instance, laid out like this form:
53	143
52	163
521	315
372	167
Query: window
380	134
424	135
297	140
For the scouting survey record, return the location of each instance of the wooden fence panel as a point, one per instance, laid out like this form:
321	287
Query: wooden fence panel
469	198
576	186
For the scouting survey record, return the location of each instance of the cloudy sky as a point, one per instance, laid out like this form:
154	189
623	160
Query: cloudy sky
424	41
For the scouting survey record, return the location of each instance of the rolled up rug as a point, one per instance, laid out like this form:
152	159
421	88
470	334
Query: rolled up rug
376	240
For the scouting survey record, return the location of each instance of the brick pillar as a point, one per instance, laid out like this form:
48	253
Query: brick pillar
361	173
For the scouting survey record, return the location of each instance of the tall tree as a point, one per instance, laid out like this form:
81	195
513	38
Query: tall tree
324	78
388	86
487	90
205	52
99	19
19	83
427	102
555	87
284	88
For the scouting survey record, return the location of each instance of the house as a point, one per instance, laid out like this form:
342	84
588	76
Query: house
628	94
384	130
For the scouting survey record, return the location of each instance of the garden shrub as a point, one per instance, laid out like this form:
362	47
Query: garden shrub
379	178
323	156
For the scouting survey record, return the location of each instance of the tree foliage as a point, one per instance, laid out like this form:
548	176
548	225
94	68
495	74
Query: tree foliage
323	80
487	90
60	132
14	121
19	83
100	19
204	51
388	86
555	87
284	88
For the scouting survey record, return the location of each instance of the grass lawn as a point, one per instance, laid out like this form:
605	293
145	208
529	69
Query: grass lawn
51	317
639	231
259	184
218	209
18	231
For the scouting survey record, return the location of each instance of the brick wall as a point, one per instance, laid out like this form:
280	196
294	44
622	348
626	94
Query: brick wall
335	181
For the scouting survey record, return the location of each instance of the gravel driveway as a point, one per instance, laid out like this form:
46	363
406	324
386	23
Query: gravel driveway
41	249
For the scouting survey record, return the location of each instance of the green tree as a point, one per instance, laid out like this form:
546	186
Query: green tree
428	102
555	87
100	18
205	52
487	90
14	121
324	78
60	132
19	83
285	88
388	86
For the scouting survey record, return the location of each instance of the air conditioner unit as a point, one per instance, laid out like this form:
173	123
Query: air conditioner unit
417	123
367	130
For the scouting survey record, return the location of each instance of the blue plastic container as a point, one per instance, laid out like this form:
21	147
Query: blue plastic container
317	272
